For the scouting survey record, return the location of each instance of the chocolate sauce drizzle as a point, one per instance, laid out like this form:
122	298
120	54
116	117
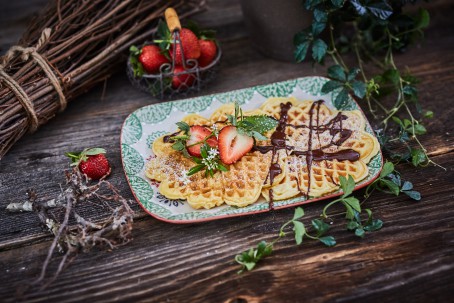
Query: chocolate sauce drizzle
279	141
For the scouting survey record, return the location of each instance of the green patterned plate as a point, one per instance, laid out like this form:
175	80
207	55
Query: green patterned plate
146	124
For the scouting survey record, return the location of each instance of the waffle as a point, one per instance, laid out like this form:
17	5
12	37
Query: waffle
248	179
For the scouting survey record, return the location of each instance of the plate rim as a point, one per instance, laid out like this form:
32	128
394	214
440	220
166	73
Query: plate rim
225	216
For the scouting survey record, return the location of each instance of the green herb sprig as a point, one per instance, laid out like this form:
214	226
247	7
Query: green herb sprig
210	162
253	126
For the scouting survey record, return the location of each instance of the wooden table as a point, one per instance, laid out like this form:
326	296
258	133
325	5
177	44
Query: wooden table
409	260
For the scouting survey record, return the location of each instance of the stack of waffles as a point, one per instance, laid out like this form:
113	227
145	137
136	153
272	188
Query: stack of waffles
249	178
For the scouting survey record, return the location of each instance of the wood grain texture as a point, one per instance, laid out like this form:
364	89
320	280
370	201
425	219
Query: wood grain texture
409	260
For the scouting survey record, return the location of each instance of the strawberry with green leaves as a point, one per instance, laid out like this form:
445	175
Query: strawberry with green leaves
91	162
237	139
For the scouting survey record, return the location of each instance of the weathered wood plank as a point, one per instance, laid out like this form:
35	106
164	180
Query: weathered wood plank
410	257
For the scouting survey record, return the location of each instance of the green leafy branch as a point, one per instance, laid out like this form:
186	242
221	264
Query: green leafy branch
372	30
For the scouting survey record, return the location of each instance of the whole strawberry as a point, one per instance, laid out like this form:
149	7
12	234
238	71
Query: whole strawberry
191	47
91	162
183	80
208	50
151	59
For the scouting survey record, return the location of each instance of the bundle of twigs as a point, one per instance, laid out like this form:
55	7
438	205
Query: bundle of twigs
66	50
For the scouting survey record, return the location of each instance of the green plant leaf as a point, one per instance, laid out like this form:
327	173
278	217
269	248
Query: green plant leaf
328	241
360	232
330	86
337	3
388	168
337	72
347	185
195	169
299	213
415	195
423	18
419	129
391	186
302	43
393	76
341	99
352	73
320	15
374	225
354	203
320	226
352	225
429	114
317	28
407	185
319	48
359	88
300	230
417	156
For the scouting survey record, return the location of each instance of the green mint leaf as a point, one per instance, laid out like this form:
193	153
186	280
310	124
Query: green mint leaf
195	169
360	232
328	241
183	126
418	156
320	226
413	194
347	185
330	86
388	168
353	203
359	88
319	48
259	136
300	230
407	186
299	213
391	186
422	19
374	225
341	99
259	123
337	72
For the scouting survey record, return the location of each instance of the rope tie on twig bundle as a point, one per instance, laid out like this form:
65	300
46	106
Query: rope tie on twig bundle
42	62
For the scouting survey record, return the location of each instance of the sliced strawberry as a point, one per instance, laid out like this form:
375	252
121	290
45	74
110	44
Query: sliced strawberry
198	134
233	145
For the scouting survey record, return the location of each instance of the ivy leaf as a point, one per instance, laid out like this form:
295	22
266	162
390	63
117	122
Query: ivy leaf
330	86
328	241
417	156
319	48
359	88
320	15
352	225
352	73
337	72
415	195
380	9
300	230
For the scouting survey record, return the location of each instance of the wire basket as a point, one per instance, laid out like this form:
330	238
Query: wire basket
168	84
